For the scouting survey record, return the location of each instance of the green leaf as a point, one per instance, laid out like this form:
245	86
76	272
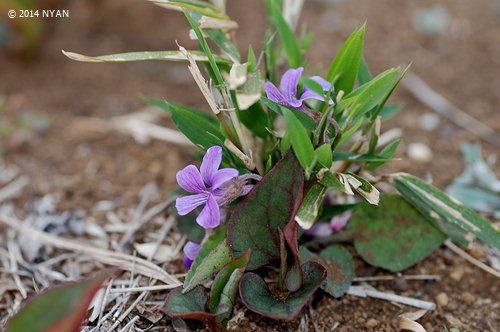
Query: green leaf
206	49
446	213
255	119
301	143
59	309
348	133
192	305
346	62
225	285
338	263
323	155
187	225
195	125
393	235
201	7
372	94
211	258
288	39
257	297
146	55
251	60
330	211
357	157
294	277
221	40
250	92
329	179
272	203
310	206
386	152
312	85
304	119
364	75
390	110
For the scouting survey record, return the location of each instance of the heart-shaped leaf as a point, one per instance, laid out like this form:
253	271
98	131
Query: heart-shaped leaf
272	203
225	286
59	309
393	235
211	258
338	262
257	297
191	305
294	277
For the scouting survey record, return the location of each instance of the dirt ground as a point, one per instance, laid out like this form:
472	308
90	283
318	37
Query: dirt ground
81	165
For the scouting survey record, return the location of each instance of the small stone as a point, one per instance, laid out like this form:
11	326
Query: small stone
457	273
477	251
442	299
419	152
453	321
429	121
371	323
467	298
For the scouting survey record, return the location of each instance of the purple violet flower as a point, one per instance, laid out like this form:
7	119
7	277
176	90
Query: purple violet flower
190	252
339	222
322	228
193	181
287	94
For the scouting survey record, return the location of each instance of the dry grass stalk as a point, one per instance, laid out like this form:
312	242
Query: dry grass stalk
405	277
364	291
471	259
14	188
125	262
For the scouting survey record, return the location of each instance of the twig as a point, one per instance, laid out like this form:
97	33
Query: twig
13	188
364	291
13	266
129	324
440	105
141	289
407	277
471	259
128	311
121	260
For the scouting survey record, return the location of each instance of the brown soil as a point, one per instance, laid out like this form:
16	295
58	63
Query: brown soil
82	167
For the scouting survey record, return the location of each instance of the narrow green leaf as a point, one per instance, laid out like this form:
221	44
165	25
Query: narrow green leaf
201	7
252	62
146	55
255	119
272	203
324	155
225	285
446	213
364	75
359	157
206	49
257	297
386	152
310	206
219	37
346	62
59	309
393	235
347	134
301	143
213	255
196	126
288	39
390	110
372	95
328	179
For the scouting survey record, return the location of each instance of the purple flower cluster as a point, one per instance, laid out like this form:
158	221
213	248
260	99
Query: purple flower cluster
287	93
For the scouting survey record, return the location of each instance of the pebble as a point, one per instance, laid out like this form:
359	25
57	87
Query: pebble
453	321
419	151
467	298
371	323
442	299
457	273
429	121
477	251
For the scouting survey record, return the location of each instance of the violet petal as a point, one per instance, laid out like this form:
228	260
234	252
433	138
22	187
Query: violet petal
289	82
187	262
186	204
191	249
273	93
339	222
321	81
210	215
190	180
223	175
210	164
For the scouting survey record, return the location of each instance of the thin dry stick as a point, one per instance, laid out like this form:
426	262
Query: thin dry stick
13	266
141	289
407	277
121	260
163	233
13	188
440	105
129	310
471	259
129	324
364	291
